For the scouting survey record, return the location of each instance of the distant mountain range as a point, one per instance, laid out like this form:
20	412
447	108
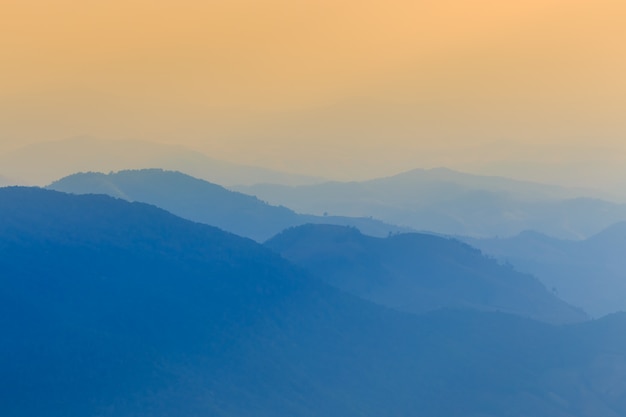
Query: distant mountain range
589	273
449	202
203	202
111	308
418	273
42	163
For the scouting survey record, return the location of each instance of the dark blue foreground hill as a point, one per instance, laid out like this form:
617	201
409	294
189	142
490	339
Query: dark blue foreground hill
418	272
109	308
204	202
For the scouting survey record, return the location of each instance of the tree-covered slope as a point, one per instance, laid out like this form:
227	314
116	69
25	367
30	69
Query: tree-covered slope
110	308
418	272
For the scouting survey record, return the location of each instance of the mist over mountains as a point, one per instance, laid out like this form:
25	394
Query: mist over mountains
42	163
572	165
439	200
313	208
585	277
590	273
208	203
143	293
112	308
449	202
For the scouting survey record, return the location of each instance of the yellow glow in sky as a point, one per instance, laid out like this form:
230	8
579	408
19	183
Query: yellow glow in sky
295	84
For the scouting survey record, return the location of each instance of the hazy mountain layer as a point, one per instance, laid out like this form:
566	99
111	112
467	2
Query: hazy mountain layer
418	272
57	159
201	201
109	308
449	202
589	273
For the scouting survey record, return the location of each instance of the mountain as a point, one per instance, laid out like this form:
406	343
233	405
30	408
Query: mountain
418	272
596	167
453	203
111	308
590	273
56	159
208	203
608	245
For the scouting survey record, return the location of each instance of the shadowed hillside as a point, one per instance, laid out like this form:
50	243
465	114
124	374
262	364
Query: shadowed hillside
418	272
109	308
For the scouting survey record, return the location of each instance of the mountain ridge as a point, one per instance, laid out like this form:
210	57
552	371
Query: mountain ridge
99	318
418	272
588	273
56	159
448	202
205	202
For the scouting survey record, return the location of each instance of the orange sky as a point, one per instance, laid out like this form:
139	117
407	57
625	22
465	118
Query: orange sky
316	84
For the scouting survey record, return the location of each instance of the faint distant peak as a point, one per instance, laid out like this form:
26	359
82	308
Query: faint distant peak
614	233
46	161
536	236
444	173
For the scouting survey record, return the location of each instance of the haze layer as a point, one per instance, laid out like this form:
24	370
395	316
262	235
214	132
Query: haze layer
296	85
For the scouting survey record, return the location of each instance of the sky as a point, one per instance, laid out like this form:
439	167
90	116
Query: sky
347	89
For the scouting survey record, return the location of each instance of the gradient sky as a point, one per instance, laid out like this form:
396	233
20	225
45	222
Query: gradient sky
341	88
